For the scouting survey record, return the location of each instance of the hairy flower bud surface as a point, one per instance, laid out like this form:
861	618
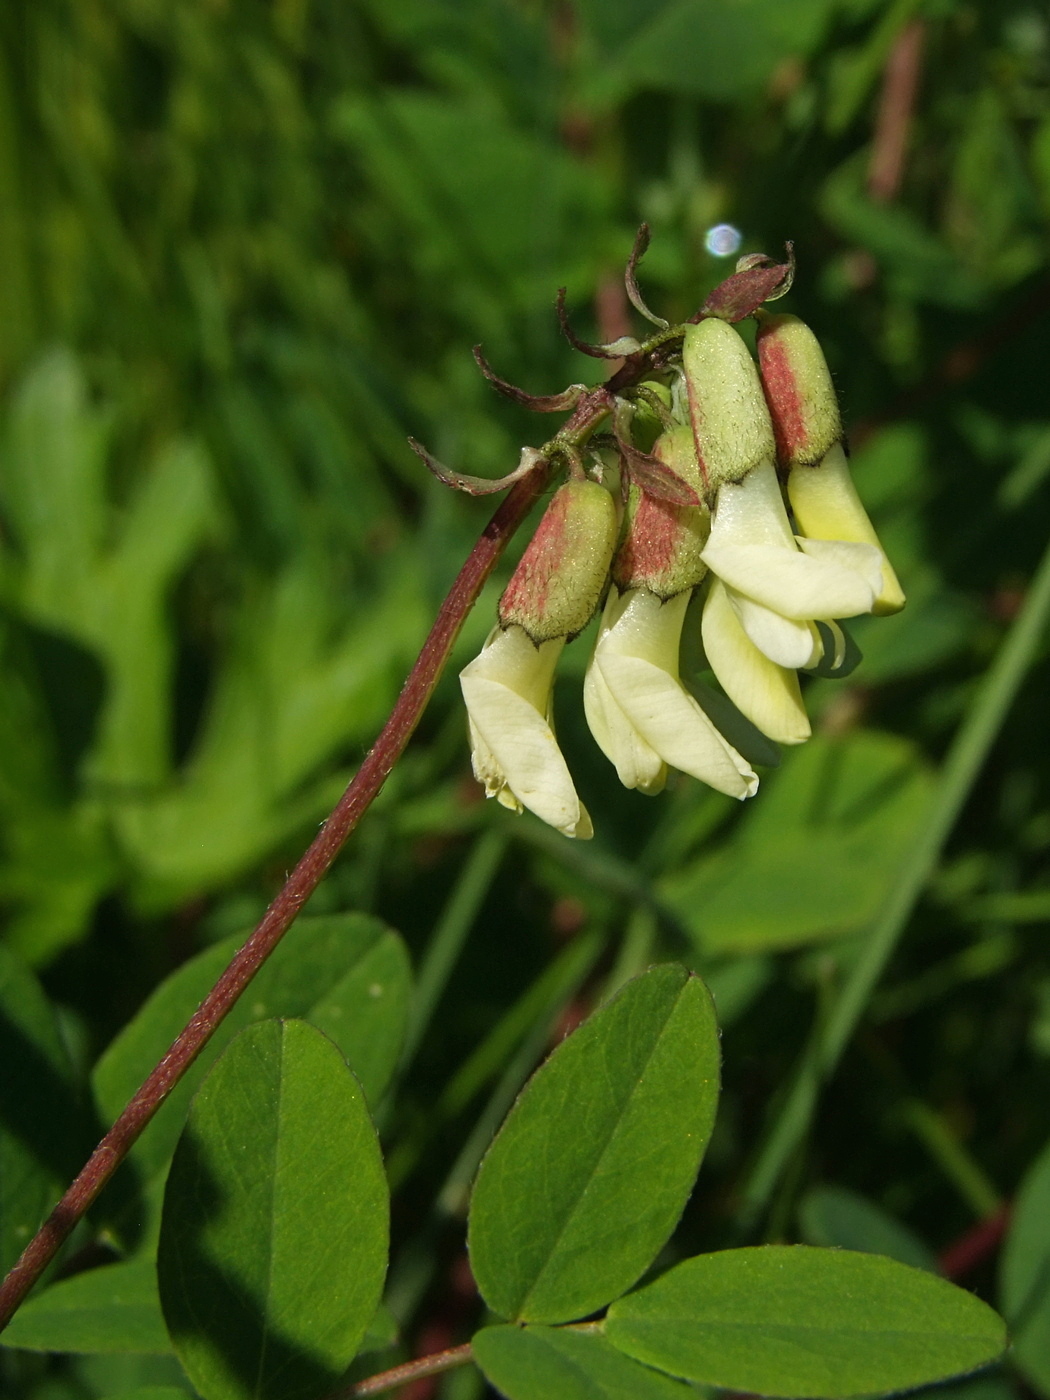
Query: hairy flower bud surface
662	541
557	586
798	389
732	433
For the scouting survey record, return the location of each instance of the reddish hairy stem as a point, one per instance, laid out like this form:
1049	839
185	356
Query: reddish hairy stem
279	917
411	1371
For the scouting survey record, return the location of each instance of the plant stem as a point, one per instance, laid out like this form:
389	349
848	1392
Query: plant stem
279	917
410	1371
432	1365
964	761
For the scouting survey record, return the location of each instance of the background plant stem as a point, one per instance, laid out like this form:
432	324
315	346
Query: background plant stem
284	909
963	763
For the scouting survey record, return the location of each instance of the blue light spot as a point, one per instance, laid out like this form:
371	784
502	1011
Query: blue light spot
723	240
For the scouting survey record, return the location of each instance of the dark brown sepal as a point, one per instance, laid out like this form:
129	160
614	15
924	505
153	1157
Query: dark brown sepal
618	351
531	461
634	295
657	479
758	279
539	403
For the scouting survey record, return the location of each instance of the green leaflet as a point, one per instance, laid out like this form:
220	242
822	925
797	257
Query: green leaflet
111	1309
795	1321
273	1243
1024	1275
590	1172
541	1363
347	974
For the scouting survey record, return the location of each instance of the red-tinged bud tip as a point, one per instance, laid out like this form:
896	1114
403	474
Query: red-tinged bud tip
798	390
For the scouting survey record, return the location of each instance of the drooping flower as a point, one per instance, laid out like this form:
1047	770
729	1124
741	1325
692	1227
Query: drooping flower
700	440
776	584
508	688
808	429
641	715
780	585
768	694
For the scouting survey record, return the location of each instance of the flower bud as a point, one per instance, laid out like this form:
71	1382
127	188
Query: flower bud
799	391
557	586
663	542
731	429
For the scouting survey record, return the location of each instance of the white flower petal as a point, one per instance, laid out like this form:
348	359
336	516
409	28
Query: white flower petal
752	511
638	660
671	721
767	694
510	657
838	641
784	641
752	549
488	772
827	507
793	584
864	559
637	764
507	693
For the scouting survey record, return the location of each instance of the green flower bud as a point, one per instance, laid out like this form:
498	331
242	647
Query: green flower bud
799	391
732	433
559	582
663	542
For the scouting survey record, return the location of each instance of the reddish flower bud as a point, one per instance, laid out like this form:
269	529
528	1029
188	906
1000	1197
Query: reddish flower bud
557	586
799	391
663	541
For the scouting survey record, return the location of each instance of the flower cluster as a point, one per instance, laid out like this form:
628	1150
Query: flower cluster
745	497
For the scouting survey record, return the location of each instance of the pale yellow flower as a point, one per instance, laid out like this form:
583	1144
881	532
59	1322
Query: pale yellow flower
643	718
507	690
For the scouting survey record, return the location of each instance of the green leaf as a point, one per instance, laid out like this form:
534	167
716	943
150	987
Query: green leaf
718	49
346	974
381	1331
594	1164
112	1309
816	859
540	1363
274	1238
795	1321
150	1392
834	1217
916	263
1024	1275
40	1120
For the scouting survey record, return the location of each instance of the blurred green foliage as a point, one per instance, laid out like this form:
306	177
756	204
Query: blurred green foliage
245	251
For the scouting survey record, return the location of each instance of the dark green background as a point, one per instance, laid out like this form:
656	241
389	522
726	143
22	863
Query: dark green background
245	249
